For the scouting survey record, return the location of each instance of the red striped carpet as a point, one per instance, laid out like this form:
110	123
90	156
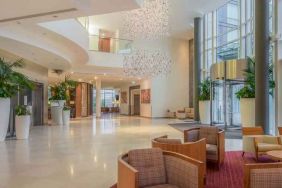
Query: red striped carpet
230	173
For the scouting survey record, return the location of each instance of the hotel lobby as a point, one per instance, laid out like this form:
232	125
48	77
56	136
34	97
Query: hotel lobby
141	94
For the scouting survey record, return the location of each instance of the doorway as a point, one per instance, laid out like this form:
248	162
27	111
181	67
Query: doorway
136	104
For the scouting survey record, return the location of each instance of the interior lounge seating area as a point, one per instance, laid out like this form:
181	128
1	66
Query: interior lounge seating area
140	93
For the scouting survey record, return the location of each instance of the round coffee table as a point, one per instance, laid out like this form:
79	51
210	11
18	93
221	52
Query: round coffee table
275	154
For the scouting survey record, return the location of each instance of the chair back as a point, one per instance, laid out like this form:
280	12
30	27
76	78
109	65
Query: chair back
252	131
280	130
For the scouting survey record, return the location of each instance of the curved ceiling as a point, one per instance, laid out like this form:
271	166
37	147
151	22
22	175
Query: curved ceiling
34	54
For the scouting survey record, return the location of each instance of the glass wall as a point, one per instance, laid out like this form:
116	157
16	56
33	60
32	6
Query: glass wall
228	33
108	97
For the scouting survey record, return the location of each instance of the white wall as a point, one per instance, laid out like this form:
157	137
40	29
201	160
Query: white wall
170	91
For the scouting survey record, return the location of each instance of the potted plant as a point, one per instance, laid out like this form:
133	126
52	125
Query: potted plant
58	99
247	93
66	115
10	83
204	101
22	121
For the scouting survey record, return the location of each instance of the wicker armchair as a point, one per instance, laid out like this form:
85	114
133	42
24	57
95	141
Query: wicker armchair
154	168
215	143
263	175
195	150
255	141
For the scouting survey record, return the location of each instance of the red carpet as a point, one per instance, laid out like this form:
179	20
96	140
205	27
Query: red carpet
230	173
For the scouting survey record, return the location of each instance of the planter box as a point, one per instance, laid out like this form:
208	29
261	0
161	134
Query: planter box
60	103
22	127
66	117
247	111
57	115
5	116
204	108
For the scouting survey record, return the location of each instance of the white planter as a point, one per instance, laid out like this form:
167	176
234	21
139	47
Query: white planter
22	126
5	116
66	117
60	103
247	111
57	115
204	110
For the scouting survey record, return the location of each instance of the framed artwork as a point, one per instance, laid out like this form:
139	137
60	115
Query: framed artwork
123	97
146	96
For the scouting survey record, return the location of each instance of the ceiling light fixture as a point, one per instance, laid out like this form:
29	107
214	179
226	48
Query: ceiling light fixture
150	21
146	64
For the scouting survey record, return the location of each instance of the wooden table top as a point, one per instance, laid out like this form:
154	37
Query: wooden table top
276	154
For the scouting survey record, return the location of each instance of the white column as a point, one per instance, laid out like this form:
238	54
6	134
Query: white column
98	98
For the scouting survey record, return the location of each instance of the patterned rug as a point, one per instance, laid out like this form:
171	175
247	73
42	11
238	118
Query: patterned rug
230	173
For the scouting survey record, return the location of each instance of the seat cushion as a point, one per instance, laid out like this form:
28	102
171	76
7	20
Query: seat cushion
168	140
163	186
210	133
150	165
211	151
267	177
263	147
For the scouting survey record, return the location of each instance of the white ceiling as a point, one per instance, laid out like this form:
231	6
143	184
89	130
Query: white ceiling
181	15
47	10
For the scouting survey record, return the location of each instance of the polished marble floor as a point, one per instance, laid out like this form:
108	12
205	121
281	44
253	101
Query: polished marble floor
81	155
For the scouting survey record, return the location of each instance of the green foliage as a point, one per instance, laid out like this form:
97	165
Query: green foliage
22	110
204	88
248	91
11	81
66	108
59	91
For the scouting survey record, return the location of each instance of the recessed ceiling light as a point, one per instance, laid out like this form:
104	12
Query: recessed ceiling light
95	77
71	72
133	82
79	79
105	74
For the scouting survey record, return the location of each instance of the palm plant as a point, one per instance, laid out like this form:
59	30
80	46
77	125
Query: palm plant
59	91
11	81
205	90
248	91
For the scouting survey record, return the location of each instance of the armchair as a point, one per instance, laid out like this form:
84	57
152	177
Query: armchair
215	143
154	168
195	150
255	141
262	175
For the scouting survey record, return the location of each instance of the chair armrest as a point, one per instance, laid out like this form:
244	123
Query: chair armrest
186	137
184	171
221	145
267	139
127	175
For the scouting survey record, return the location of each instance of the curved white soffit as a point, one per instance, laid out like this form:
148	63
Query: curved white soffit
45	39
35	54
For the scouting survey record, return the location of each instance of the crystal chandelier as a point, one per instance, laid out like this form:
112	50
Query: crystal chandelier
146	64
148	22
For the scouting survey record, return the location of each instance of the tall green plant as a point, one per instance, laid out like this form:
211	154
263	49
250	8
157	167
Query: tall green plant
248	91
204	89
11	81
59	91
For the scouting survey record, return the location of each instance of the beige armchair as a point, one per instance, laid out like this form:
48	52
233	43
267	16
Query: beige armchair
263	175
195	150
215	141
189	112
154	168
256	142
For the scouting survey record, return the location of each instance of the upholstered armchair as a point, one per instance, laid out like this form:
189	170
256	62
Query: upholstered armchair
263	175
189	112
195	150
215	141
154	168
256	142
